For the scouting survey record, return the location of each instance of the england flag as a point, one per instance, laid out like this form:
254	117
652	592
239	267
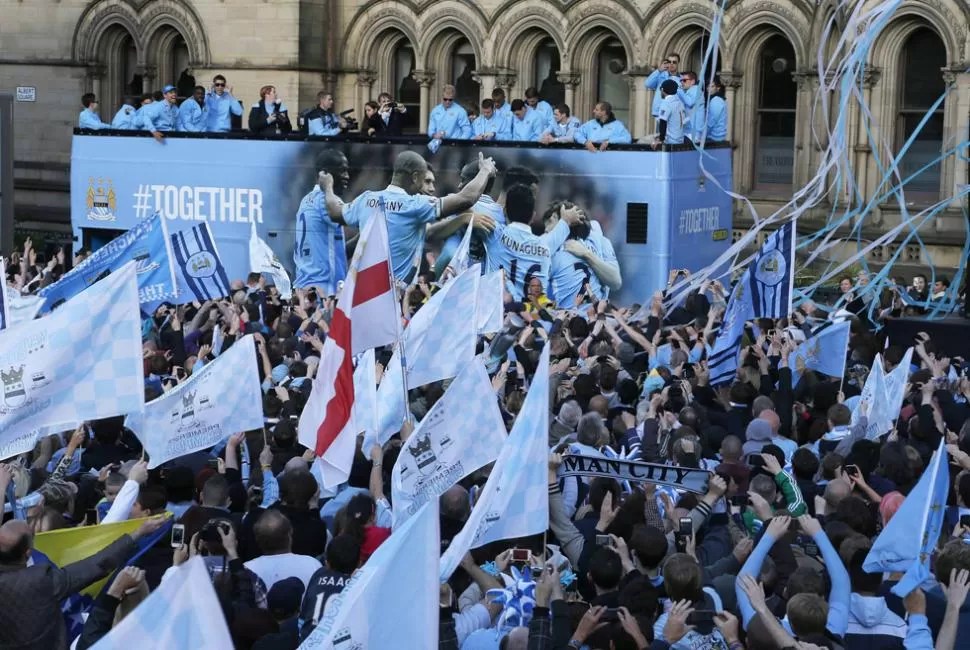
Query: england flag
327	423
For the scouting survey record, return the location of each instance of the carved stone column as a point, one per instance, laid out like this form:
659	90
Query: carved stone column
506	80
639	109
732	82
365	86
570	81
956	110
426	79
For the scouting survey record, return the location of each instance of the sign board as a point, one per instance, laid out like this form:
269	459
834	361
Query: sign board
26	94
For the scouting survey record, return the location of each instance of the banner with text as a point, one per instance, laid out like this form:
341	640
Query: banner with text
653	206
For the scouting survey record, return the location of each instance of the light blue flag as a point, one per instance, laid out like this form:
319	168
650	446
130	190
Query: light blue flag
147	244
723	359
439	341
515	499
81	362
183	612
462	432
898	549
199	271
19	308
395	581
873	397
824	353
773	278
201	411
662	359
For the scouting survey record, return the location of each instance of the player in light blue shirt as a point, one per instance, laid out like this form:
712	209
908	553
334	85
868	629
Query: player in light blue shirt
490	125
319	253
692	97
717	116
89	119
586	259
502	106
604	129
522	254
124	119
222	105
448	120
525	125
544	108
193	113
666	70
672	117
563	127
161	116
407	210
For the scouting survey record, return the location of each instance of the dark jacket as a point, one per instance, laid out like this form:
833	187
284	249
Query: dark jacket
30	597
258	115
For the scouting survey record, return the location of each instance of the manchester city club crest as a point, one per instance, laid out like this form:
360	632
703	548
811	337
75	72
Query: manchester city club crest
101	200
772	268
144	262
201	265
14	388
190	409
344	640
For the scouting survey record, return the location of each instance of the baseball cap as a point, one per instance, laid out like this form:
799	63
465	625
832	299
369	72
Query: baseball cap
168	89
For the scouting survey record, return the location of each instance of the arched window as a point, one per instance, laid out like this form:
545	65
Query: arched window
777	94
546	66
406	89
121	77
694	58
611	80
921	84
467	90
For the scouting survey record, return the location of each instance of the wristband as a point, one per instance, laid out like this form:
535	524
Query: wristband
266	467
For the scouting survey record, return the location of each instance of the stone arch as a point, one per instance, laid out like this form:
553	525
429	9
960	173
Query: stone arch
376	31
160	53
590	25
749	23
181	17
679	27
908	19
520	29
447	17
97	22
585	51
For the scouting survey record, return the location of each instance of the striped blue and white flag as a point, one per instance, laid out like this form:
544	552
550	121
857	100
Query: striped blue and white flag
183	612
82	362
198	269
515	500
439	341
773	276
723	359
202	411
824	353
147	244
390	602
462	432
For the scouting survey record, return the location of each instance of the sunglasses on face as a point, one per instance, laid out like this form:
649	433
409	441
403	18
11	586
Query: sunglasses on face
220	85
447	99
674	61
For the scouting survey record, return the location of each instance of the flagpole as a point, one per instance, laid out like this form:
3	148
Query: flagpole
401	351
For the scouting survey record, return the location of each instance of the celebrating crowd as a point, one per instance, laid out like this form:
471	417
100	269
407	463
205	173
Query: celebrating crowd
771	556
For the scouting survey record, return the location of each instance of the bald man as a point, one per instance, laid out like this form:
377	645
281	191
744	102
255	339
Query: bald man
786	445
31	594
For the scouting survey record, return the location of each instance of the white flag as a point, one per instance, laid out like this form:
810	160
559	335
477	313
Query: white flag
262	259
183	612
223	398
491	302
22	308
515	500
389	602
890	399
365	395
462	432
461	257
81	362
439	341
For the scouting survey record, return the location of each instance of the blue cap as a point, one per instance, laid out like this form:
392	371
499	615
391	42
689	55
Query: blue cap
168	89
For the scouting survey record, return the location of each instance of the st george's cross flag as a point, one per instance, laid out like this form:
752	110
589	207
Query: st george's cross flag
367	298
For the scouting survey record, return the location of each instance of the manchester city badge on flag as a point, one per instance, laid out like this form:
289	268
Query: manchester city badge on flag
199	271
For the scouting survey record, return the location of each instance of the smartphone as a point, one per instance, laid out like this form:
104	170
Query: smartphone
684	531
604	540
178	535
965	521
756	460
91	516
852	470
521	555
611	614
739	500
213	463
701	617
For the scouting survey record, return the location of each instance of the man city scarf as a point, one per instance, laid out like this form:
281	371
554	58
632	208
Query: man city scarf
682	478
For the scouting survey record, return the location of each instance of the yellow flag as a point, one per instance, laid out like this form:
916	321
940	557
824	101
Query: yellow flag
70	545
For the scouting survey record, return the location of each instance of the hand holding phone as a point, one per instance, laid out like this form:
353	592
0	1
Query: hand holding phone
178	535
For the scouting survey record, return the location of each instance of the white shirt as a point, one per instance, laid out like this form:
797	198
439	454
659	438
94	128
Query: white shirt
273	568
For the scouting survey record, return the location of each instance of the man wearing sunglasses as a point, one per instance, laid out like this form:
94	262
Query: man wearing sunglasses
221	103
666	70
449	120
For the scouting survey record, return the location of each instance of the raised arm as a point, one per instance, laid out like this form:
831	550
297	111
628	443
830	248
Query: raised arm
470	193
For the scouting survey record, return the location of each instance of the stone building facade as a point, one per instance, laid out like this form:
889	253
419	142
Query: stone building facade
575	51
